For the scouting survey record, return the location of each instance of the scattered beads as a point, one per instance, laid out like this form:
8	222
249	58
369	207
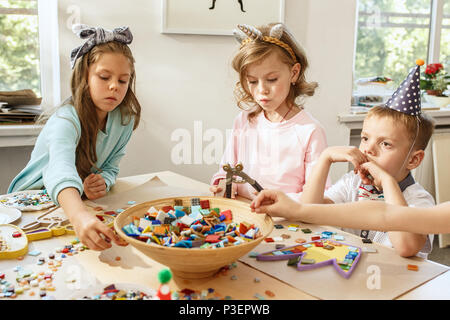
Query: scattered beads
26	199
112	293
27	279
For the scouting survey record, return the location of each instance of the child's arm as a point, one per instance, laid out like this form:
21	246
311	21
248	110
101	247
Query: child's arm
406	244
87	227
315	186
377	215
317	144
62	181
313	191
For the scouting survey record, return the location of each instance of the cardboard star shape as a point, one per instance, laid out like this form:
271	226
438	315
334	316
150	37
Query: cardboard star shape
318	254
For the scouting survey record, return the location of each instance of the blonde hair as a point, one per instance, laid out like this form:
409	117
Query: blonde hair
425	122
86	155
257	50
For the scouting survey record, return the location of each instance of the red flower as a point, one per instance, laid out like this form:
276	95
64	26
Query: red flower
431	69
439	66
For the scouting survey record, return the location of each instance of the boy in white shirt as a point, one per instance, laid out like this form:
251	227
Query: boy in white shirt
393	140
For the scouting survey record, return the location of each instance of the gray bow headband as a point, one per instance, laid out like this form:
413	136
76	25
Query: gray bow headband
97	36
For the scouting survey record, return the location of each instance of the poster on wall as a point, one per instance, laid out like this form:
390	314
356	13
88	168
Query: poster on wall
218	17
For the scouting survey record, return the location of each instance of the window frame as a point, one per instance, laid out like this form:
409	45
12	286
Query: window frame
434	39
434	44
49	52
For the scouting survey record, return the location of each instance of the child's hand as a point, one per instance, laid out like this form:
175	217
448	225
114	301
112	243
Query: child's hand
219	190
371	173
215	189
344	154
94	186
95	234
276	204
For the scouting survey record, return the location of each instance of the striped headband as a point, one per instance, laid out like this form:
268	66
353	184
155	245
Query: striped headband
95	36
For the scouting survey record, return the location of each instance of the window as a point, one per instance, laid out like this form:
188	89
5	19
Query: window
392	34
19	46
29	48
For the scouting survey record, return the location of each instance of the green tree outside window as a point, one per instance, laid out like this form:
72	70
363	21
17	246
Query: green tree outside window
391	36
19	46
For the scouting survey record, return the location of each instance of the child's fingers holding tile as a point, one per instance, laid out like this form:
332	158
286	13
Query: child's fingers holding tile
108	232
99	237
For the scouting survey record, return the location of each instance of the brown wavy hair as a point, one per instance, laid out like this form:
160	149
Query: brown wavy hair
256	51
86	155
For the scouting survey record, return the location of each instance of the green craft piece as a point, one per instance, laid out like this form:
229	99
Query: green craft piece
164	276
344	267
293	261
308	261
306	230
259	297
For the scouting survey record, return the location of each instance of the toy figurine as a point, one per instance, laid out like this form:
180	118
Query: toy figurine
164	277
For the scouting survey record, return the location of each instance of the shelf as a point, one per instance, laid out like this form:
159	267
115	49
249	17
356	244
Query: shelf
19	135
355	120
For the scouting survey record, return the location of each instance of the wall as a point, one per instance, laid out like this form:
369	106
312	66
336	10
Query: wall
12	160
186	78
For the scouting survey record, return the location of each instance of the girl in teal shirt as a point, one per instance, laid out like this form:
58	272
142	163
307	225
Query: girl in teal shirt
79	149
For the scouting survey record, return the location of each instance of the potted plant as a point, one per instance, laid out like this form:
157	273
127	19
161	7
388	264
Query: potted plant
434	82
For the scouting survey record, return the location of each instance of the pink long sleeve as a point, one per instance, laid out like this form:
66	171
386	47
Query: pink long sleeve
277	155
230	153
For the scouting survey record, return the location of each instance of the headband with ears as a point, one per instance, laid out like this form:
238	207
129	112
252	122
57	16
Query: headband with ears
246	33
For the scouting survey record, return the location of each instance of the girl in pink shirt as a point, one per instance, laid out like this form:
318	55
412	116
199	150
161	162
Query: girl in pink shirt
276	140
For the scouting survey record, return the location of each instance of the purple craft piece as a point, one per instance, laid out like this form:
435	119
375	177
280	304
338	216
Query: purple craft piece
37	230
265	257
346	274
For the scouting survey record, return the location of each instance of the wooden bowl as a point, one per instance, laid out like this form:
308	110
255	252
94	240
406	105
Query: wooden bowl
195	263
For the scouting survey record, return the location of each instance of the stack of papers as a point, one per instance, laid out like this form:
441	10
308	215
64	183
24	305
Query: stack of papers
19	106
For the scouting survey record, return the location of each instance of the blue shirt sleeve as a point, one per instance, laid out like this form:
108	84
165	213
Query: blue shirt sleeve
62	139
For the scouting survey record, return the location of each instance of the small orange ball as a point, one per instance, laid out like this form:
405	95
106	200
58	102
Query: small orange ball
420	62
270	293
